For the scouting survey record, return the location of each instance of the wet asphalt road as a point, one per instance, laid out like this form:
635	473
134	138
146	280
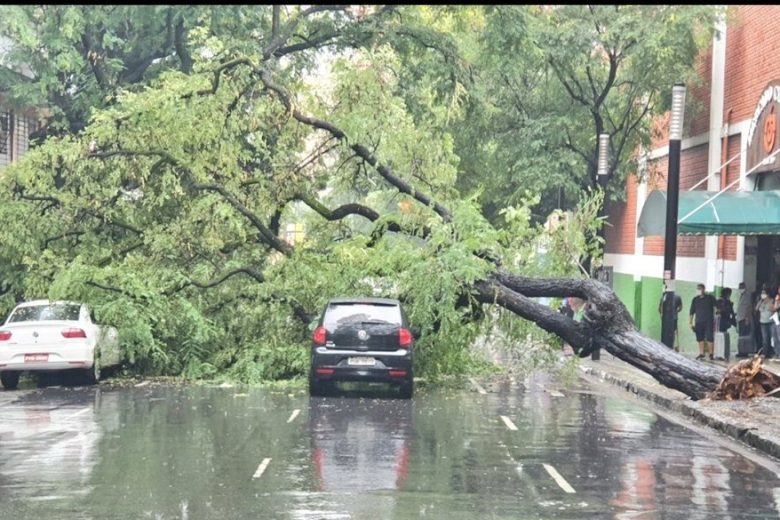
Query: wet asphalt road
523	451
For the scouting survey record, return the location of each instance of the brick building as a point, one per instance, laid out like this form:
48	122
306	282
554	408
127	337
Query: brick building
731	137
16	123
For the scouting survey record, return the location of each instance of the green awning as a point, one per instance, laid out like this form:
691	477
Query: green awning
732	213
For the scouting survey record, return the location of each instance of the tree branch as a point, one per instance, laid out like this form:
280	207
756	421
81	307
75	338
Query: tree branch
354	209
180	43
298	310
94	58
267	237
360	150
19	191
113	289
59	237
577	97
613	66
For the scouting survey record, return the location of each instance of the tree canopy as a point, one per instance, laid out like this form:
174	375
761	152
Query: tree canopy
414	145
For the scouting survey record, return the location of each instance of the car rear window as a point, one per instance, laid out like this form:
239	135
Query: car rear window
338	314
63	312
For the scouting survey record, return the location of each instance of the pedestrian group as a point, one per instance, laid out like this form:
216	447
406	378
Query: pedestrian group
757	322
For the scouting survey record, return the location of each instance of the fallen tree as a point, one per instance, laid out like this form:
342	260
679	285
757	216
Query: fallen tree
177	190
607	323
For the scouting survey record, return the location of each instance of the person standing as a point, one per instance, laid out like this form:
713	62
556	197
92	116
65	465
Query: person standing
744	311
765	308
744	316
725	311
726	317
702	320
678	305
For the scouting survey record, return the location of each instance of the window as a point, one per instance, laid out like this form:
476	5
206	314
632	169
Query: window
5	138
56	312
339	314
15	133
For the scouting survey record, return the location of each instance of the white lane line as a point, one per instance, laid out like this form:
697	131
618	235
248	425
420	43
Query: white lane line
509	423
478	387
261	468
556	394
142	383
293	416
80	412
558	478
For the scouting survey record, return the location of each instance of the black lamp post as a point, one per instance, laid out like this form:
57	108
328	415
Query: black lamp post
672	203
602	172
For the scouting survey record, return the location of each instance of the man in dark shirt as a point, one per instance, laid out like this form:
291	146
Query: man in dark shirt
702	320
678	305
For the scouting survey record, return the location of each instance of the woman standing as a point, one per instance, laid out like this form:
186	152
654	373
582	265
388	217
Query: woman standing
765	308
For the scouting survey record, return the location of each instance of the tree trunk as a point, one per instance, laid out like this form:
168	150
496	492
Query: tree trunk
606	324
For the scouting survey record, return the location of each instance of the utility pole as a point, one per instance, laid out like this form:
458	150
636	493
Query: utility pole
672	203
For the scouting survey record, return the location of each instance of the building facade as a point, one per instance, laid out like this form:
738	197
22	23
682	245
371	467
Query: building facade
730	145
15	129
16	123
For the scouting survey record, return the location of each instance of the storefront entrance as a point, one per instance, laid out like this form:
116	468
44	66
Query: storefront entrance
768	262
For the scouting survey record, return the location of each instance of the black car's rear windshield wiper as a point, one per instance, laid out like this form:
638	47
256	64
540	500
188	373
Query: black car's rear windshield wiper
375	322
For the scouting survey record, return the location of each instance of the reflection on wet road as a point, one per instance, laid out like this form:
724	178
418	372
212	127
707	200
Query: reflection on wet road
518	451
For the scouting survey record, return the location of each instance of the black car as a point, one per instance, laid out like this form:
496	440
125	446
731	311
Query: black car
362	339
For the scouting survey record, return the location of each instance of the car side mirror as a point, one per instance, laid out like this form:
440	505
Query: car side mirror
416	332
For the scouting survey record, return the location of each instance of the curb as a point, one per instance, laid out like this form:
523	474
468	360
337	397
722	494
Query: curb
693	410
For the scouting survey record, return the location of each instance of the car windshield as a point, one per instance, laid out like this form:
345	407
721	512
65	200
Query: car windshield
339	314
55	312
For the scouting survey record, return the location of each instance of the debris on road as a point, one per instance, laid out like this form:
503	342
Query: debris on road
745	380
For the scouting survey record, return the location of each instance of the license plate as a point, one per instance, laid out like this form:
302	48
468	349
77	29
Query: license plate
361	361
33	358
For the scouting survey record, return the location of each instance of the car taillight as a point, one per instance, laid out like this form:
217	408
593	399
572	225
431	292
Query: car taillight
319	336
404	337
5	335
74	333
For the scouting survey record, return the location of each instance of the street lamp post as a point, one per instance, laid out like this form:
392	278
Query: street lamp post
602	172
672	200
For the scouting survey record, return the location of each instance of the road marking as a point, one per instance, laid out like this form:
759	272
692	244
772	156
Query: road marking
479	388
509	423
559	479
556	394
142	383
261	468
293	416
80	412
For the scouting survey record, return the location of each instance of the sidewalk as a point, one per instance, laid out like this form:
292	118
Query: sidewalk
755	422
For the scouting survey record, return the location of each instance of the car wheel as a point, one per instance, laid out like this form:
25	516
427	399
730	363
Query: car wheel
10	380
407	389
316	389
93	373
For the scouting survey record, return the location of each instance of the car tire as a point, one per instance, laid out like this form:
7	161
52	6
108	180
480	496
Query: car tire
316	388
406	389
10	380
93	373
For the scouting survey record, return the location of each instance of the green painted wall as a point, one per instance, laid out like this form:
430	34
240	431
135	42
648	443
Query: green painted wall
650	320
625	288
641	298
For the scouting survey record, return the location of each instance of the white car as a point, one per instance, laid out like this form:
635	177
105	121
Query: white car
40	335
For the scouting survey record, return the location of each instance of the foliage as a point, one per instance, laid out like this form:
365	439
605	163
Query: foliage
163	196
546	81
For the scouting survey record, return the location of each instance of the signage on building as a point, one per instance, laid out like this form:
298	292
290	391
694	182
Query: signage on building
762	133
